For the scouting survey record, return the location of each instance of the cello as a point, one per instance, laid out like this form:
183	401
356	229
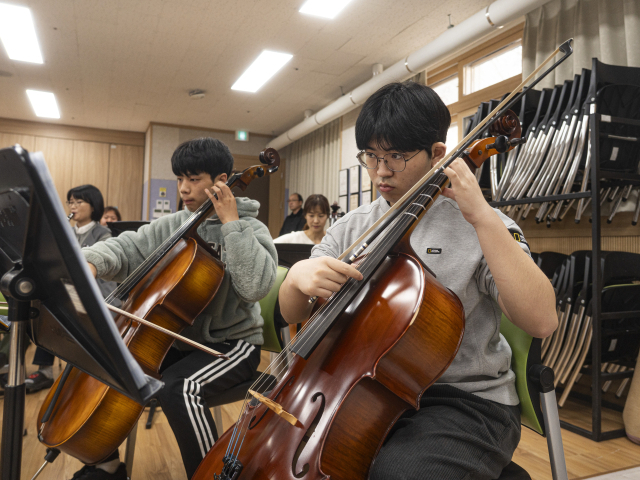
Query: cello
83	417
365	357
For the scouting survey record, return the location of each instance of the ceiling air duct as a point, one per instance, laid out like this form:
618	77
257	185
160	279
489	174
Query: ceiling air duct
497	14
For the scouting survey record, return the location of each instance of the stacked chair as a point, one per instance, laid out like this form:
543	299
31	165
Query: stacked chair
551	172
569	350
581	157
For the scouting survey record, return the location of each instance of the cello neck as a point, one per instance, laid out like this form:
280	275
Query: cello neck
271	163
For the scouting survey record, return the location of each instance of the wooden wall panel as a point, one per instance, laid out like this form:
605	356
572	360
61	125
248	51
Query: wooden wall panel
91	165
568	245
55	130
58	154
126	164
27	142
77	156
276	199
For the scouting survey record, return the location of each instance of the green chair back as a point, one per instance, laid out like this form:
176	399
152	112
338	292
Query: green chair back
267	309
4	309
525	352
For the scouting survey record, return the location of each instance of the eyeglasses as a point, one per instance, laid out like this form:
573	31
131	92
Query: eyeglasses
396	162
77	203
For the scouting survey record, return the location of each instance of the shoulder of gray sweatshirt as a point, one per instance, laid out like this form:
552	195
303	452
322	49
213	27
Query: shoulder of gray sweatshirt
250	269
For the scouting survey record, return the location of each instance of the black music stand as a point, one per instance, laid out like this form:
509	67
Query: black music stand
290	253
41	260
129	226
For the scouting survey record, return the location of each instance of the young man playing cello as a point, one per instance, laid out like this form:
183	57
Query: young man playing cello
230	324
468	425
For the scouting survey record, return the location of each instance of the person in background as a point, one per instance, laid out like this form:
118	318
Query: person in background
316	213
111	214
87	205
295	221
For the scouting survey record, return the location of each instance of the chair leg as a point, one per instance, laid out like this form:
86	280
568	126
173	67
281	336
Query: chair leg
554	437
130	449
217	418
152	410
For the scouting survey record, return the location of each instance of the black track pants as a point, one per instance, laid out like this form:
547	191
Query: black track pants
192	377
454	436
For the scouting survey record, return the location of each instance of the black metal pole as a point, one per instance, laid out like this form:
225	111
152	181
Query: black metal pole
14	393
596	254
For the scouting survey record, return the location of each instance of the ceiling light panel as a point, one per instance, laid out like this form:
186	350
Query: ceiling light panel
44	104
324	8
261	70
18	34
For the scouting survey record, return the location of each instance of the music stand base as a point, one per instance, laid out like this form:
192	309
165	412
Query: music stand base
14	394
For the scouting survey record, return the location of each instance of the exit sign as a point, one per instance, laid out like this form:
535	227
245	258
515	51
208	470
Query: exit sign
242	135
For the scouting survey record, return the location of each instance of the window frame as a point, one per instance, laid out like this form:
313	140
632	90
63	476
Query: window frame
468	104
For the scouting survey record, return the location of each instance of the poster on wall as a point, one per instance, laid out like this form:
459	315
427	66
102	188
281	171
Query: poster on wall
366	197
366	182
354	179
342	201
354	200
344	182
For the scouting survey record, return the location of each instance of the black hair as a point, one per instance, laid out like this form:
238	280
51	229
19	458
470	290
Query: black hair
404	117
91	195
314	202
202	155
317	201
300	199
115	210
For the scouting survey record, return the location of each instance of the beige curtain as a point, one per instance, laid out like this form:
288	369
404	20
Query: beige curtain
606	29
314	163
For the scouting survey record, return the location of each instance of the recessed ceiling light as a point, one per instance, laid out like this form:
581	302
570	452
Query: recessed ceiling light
324	8
18	34
44	104
262	69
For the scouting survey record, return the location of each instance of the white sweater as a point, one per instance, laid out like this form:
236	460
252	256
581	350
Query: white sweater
294	237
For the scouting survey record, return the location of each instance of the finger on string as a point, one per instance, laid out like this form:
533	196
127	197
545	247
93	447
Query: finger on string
347	270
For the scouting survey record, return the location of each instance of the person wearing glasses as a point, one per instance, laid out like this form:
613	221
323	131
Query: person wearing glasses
295	222
468	424
87	205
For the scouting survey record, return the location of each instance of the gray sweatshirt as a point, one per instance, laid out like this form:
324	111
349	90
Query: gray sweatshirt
250	269
449	246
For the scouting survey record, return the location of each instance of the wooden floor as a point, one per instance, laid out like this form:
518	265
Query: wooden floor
157	456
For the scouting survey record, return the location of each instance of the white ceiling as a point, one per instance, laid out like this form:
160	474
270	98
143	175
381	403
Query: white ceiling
120	64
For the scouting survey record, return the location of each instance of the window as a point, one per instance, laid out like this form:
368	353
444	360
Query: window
447	89
493	68
452	137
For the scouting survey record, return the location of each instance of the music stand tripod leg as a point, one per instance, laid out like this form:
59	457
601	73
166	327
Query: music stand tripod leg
14	393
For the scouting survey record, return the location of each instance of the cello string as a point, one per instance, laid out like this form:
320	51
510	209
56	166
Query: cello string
315	322
365	266
312	324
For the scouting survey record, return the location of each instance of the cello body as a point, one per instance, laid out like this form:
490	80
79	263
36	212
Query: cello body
400	333
91	420
85	418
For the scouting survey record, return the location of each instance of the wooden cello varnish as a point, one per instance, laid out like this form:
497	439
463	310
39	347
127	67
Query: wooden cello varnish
91	420
384	346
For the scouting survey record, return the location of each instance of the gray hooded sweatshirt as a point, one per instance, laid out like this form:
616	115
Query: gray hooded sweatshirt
250	270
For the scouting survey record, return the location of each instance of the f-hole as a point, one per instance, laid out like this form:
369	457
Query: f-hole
305	439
